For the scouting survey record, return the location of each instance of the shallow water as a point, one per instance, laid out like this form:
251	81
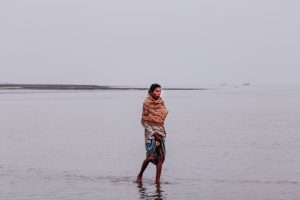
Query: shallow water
227	143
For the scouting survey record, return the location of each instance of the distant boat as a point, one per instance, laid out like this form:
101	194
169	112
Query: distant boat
246	84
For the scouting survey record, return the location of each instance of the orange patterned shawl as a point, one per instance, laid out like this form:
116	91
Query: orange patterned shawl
154	111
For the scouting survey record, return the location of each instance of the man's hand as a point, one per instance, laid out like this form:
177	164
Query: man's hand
157	136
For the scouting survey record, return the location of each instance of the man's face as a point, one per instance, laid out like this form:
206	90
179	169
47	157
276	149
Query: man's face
156	93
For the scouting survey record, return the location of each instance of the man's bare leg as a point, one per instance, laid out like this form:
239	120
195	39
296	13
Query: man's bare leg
144	166
160	160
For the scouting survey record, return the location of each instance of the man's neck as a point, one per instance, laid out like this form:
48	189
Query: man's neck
155	98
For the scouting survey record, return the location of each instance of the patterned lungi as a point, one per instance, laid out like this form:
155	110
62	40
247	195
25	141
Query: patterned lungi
151	144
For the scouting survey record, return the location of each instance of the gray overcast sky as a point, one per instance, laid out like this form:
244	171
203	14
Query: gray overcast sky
137	42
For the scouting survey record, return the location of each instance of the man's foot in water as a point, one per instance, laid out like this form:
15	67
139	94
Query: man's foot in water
139	179
144	166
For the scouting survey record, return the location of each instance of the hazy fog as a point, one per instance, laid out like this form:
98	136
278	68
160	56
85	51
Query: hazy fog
136	42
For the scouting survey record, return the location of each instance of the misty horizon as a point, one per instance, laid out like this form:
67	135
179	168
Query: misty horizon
134	43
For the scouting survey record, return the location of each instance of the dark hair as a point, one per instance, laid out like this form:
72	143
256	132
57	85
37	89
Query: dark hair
153	87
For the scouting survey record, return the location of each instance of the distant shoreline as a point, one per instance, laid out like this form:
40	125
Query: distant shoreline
78	87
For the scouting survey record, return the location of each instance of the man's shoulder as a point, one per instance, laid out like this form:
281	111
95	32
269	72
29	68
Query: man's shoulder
147	101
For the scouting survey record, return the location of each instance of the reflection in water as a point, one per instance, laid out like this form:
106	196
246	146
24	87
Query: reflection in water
146	194
66	155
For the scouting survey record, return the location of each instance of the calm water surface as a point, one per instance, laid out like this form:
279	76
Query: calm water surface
227	143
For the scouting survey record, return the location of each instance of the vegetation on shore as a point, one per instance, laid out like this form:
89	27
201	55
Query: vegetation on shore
77	87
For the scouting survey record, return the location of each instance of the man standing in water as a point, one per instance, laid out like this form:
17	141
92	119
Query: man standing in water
153	118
